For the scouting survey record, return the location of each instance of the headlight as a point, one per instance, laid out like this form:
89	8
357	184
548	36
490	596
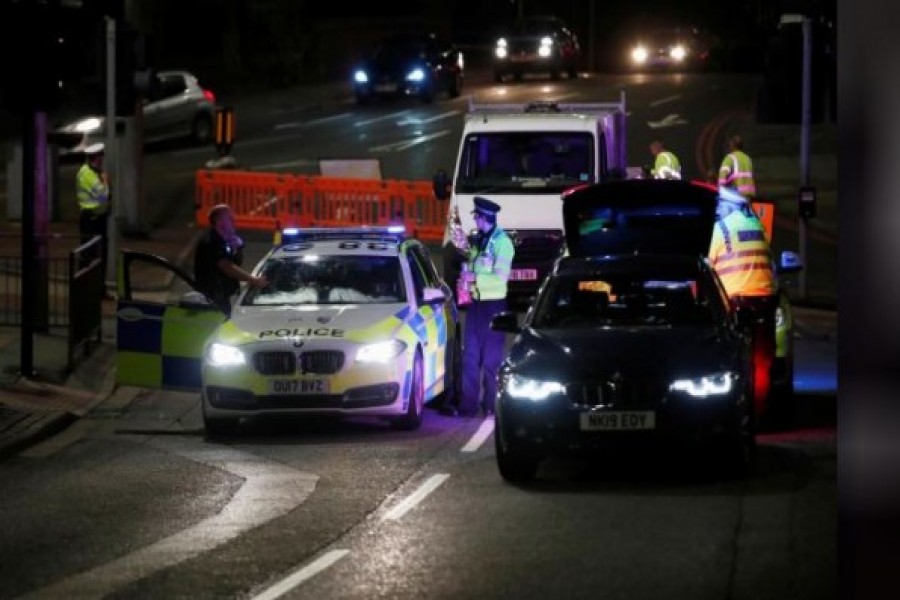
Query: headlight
639	54
360	77
88	125
716	384
223	355
500	49
544	51
532	389
678	52
501	43
546	41
381	352
416	74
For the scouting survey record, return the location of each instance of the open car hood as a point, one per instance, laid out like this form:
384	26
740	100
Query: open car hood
639	216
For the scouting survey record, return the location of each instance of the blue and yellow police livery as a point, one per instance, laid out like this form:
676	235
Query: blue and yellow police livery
354	321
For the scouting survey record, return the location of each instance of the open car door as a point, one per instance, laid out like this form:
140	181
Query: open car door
160	333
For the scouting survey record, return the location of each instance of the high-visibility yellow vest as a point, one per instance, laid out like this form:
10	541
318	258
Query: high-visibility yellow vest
91	191
492	266
736	172
667	166
740	255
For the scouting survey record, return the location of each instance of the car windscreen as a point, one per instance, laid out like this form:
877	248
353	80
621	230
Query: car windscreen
529	161
313	279
624	300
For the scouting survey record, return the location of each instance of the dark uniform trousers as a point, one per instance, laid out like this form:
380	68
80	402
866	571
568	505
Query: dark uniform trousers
482	355
757	315
91	223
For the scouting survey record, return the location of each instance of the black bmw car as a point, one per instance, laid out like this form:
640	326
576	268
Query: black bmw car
410	64
631	339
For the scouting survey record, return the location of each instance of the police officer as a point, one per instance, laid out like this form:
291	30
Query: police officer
736	170
218	257
666	165
489	260
741	256
92	192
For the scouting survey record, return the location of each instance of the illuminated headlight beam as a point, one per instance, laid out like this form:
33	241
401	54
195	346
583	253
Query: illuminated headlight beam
532	389
223	355
381	352
717	384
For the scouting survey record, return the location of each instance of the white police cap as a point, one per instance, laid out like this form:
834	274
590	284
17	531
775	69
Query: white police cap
94	149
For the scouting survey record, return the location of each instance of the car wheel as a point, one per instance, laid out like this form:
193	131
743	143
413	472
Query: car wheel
780	411
498	76
427	95
413	417
202	129
514	467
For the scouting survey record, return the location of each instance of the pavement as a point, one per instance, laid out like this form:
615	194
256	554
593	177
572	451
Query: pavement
37	405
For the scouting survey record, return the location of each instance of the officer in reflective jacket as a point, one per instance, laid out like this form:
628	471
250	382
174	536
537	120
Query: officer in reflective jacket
489	260
736	170
92	192
741	256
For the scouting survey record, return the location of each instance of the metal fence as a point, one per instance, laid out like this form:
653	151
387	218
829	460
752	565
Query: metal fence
69	295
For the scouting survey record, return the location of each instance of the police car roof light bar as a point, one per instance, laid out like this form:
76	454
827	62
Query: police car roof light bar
389	233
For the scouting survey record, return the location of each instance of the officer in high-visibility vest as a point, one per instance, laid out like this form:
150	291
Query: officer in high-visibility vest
92	192
741	257
736	170
666	165
489	261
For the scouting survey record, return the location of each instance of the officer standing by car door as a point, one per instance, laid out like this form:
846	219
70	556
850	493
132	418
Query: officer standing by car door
489	262
741	256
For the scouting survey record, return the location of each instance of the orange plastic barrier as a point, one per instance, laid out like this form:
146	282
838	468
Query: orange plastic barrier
270	200
267	201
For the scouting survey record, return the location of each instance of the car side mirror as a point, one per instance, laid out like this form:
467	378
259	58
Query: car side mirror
506	322
790	263
441	185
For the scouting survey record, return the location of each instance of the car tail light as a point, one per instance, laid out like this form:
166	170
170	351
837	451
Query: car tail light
209	96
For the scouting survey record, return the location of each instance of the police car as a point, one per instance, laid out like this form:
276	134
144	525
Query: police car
354	321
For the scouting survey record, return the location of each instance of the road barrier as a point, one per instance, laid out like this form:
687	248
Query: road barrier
269	201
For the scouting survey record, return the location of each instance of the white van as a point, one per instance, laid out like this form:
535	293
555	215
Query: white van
523	157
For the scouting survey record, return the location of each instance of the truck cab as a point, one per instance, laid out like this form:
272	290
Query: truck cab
523	157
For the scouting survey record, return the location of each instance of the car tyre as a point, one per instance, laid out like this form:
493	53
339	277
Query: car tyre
498	76
202	129
413	417
514	467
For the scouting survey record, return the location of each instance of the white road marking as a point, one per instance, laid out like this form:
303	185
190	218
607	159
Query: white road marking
484	432
667	121
420	494
382	118
270	490
307	572
406	144
665	100
415	121
311	122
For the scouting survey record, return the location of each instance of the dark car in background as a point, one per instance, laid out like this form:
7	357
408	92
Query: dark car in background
631	343
671	48
410	64
178	107
536	44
